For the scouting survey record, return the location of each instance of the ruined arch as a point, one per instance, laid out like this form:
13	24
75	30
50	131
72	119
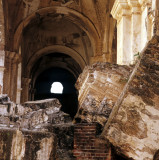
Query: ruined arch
54	49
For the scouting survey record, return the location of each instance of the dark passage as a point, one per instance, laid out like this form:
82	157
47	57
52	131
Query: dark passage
69	98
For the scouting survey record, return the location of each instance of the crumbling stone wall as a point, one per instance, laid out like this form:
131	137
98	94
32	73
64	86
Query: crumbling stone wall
131	123
134	127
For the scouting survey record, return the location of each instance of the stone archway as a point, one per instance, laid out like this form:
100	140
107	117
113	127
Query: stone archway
56	49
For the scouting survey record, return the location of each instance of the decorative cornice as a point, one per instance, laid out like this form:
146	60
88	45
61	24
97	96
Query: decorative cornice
128	7
135	6
120	8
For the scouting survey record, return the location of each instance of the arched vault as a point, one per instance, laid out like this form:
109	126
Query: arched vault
76	17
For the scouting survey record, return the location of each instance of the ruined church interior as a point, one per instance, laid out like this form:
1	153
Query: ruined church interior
79	79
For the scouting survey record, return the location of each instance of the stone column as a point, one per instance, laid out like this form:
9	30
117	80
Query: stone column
136	28
10	74
122	13
25	89
131	16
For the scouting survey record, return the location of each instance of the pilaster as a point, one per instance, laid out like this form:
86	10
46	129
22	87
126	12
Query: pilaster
131	16
136	27
10	74
121	11
25	89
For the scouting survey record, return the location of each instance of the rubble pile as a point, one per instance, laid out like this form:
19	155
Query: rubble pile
39	124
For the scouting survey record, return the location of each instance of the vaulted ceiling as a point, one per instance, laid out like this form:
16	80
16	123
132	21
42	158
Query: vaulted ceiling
80	29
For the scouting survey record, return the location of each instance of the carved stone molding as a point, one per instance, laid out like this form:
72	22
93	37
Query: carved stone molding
120	8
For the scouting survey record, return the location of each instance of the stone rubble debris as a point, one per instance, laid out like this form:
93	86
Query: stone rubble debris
42	118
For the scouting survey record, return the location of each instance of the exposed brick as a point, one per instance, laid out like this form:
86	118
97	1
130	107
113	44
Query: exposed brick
87	145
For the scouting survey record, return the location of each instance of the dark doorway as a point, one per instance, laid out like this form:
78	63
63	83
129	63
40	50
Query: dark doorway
69	97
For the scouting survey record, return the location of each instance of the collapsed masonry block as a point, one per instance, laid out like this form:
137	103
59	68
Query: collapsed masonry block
34	115
134	127
99	87
53	104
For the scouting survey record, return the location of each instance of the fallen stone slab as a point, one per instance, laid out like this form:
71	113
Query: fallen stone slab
54	104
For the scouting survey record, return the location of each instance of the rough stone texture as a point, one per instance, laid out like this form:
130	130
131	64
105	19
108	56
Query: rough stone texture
24	145
34	28
39	146
18	146
134	129
53	104
99	87
65	138
37	130
31	115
